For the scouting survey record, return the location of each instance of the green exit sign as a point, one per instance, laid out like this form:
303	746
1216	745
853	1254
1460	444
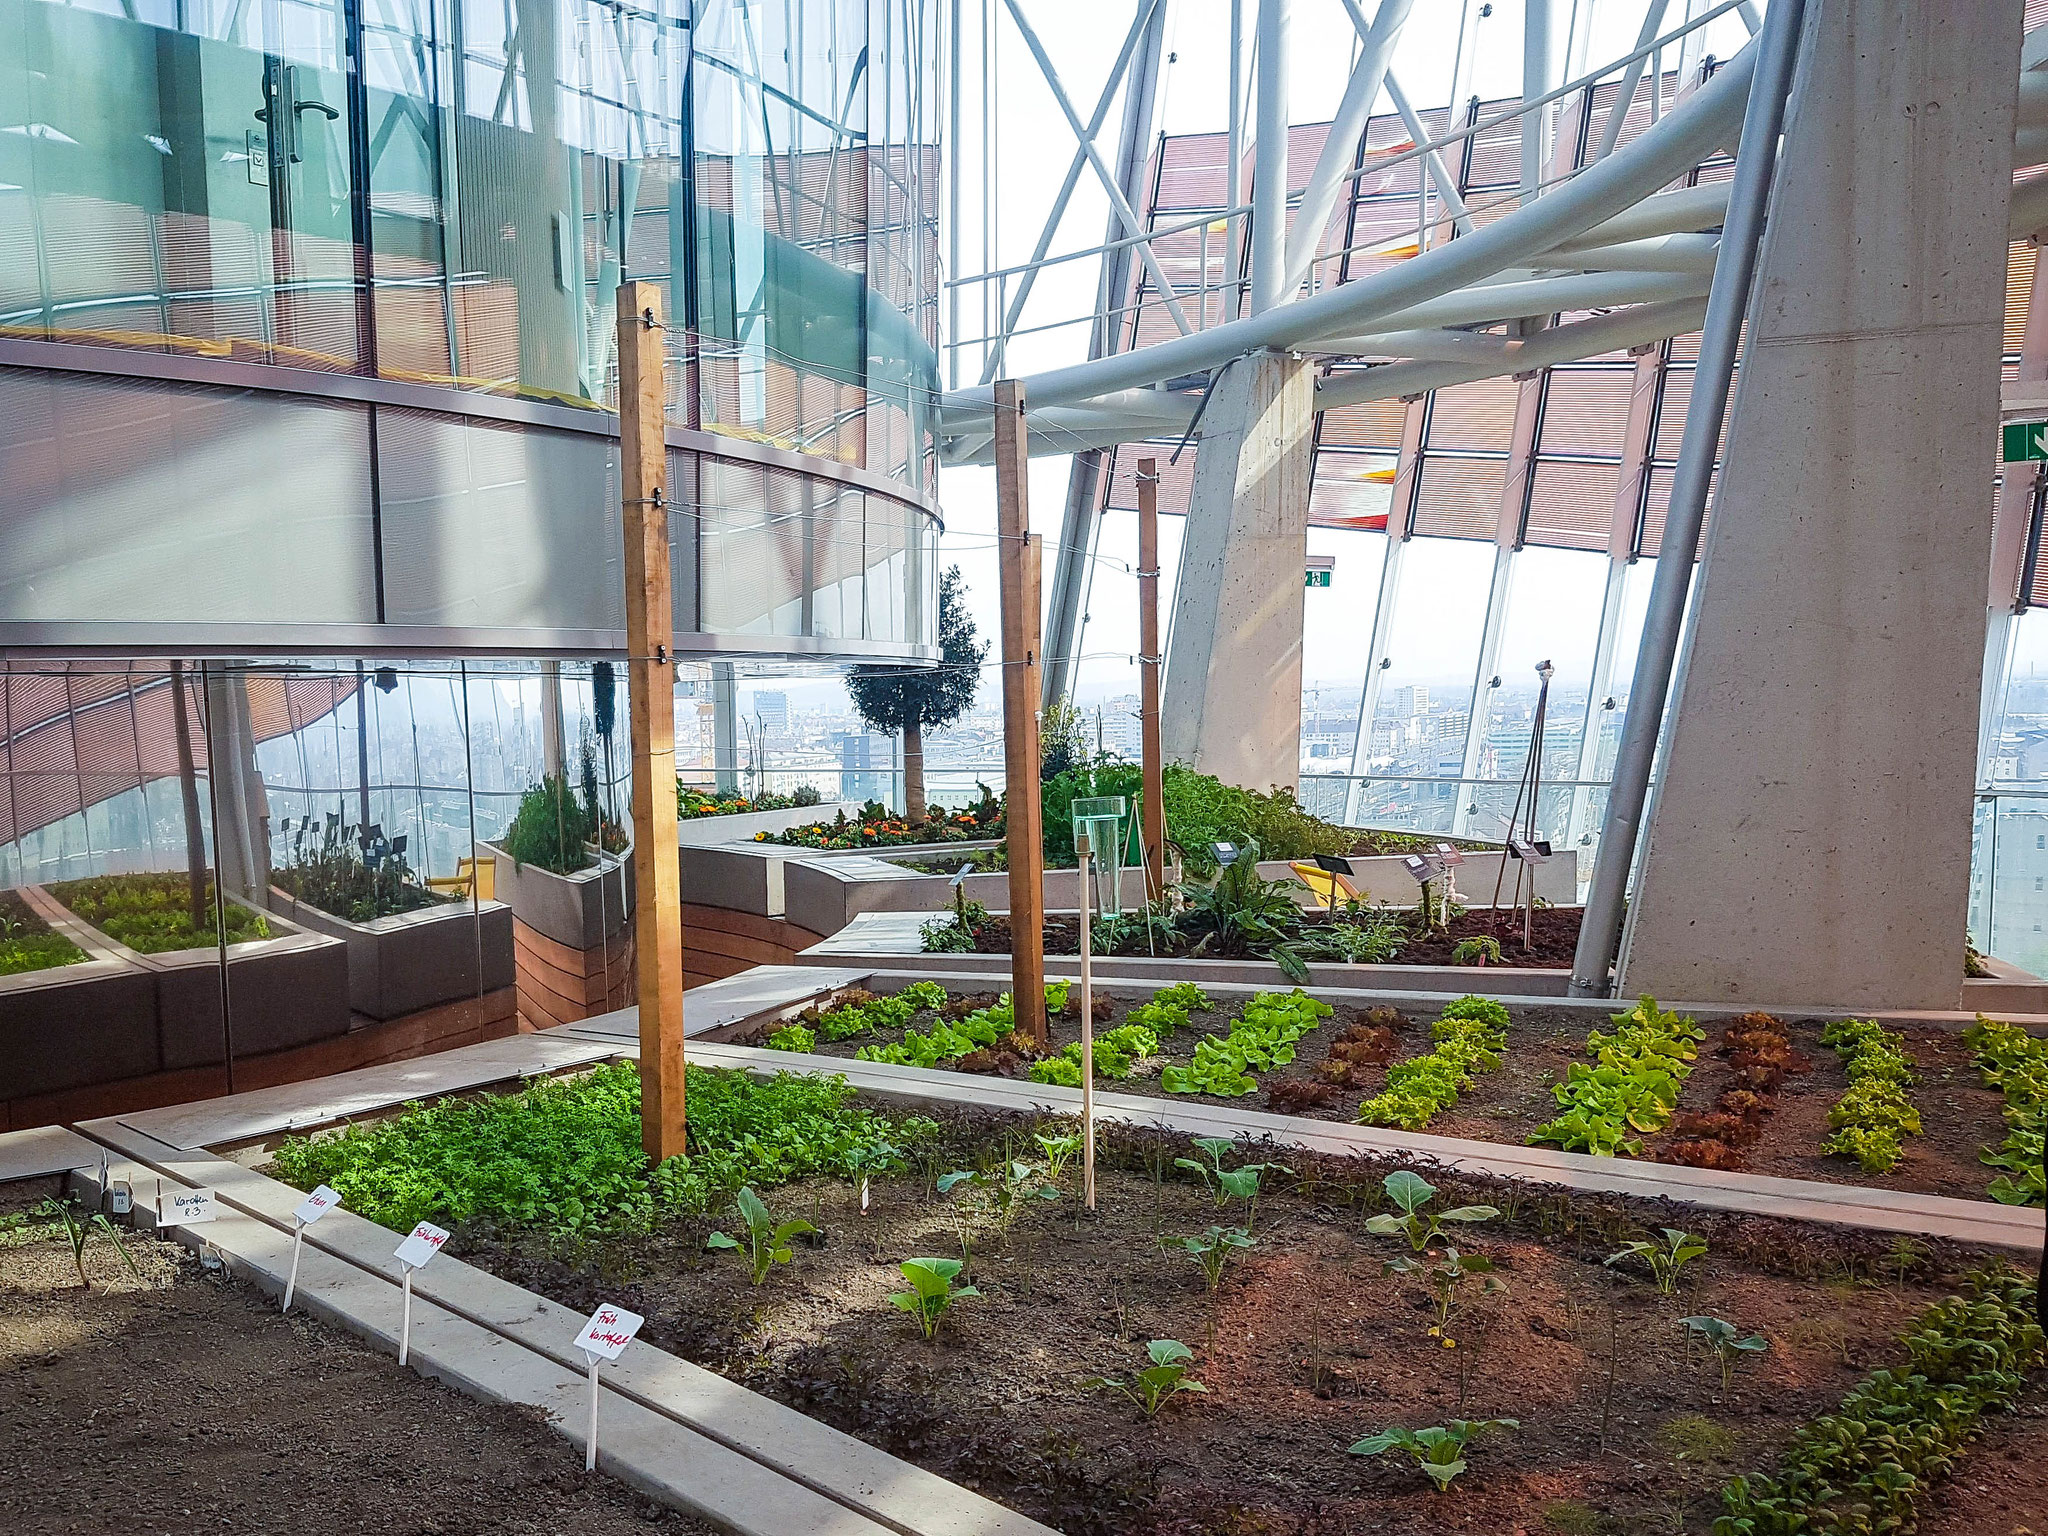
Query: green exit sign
1322	578
2025	440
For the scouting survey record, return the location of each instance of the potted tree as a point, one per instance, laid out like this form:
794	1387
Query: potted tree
916	699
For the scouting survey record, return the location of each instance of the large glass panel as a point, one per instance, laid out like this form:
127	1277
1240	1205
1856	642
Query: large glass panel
1553	615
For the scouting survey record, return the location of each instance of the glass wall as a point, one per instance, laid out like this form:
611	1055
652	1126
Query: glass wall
450	191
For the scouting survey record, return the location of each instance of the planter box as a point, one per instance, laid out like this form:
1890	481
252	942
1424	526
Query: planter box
75	1025
412	961
890	941
696	831
286	990
826	893
571	935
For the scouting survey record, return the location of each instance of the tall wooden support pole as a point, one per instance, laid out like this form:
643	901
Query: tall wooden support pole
1017	566
650	692
1150	665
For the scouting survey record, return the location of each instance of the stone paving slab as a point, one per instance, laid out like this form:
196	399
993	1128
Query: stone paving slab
1982	1222
324	1100
765	990
773	1439
43	1150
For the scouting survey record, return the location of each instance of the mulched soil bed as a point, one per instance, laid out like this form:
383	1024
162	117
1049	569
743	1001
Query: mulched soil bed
1307	1347
181	1401
1961	1116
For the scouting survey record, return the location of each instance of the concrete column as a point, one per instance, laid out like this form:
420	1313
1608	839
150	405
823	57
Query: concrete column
1233	676
1810	840
241	804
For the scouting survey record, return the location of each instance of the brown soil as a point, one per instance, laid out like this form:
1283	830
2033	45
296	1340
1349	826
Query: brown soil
1960	1115
2002	1490
181	1401
1307	1347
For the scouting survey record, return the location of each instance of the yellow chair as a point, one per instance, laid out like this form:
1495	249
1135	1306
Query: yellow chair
1327	887
470	876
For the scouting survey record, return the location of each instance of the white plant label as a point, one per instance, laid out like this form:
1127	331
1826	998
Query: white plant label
608	1332
187	1208
316	1205
422	1245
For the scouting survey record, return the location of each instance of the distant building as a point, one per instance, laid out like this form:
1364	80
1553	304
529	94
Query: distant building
866	761
772	709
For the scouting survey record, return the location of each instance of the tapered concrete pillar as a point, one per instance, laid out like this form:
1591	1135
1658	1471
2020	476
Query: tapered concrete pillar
1810	840
1233	674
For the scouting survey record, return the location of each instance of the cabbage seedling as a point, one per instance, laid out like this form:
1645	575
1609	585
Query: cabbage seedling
1443	1277
1411	1192
768	1243
1678	1250
1151	1386
1439	1450
1059	1151
932	1292
1213	1249
1006	1186
1225	1184
1722	1338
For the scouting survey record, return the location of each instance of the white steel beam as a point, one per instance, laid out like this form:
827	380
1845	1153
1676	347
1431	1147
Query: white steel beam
1439	173
1270	287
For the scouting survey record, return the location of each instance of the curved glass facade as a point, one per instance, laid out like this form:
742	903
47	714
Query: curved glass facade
423	209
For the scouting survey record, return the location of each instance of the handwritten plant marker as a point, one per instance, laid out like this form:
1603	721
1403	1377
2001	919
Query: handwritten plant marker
604	1337
310	1210
424	1242
186	1208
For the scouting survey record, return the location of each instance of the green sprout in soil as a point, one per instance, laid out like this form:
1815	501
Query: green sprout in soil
1439	1450
1150	1386
767	1240
1725	1342
80	1227
1411	1192
1666	1260
932	1294
1214	1249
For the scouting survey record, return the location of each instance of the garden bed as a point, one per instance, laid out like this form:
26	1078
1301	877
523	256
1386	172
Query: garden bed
1306	1347
1961	1115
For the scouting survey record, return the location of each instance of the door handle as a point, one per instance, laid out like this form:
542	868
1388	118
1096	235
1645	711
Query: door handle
289	104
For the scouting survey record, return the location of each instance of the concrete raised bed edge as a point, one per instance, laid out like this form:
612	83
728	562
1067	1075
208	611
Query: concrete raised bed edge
579	911
71	1026
412	961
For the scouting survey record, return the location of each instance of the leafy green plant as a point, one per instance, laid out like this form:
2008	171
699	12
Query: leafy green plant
865	1161
1470	1037
80	1227
1117	1053
1214	1249
1243	906
1150	1386
692	802
1059	1150
564	1154
341	869
1665	1260
1226	1184
793	1037
1871	1120
152	914
2016	1064
1873	1465
27	943
1444	1271
767	1240
1725	1342
1632	1085
1358	938
872	1013
1482	950
1167	1009
932	1294
1260	1038
1411	1192
1439	1451
1005	1186
552	828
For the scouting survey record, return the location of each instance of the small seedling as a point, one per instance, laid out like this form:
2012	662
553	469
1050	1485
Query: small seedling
1059	1151
1444	1275
864	1162
768	1242
932	1292
1006	1186
1723	1338
1225	1184
1480	951
1152	1385
1666	1260
1411	1192
1214	1249
81	1227
1439	1450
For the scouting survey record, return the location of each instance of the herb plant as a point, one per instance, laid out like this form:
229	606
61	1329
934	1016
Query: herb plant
932	1294
1481	950
1150	1386
1439	1451
767	1241
1871	1120
1725	1341
1665	1260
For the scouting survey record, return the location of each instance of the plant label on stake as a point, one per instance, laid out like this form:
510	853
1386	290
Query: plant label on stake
421	1245
310	1210
604	1337
1084	846
186	1207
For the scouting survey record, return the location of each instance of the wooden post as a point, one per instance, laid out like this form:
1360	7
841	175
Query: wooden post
650	691
1016	564
1150	665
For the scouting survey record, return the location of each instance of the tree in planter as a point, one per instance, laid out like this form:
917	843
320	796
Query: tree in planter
912	700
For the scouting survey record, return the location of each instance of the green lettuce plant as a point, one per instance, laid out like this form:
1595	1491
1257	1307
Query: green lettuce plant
1260	1038
793	1037
2016	1064
1632	1085
1871	1120
1470	1037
